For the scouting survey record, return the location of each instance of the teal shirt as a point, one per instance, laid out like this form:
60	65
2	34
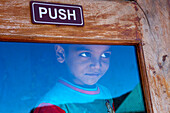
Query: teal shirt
75	99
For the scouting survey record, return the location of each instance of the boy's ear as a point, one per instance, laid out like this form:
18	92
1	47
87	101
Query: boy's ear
60	53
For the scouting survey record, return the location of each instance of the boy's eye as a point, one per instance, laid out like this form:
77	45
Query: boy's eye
85	54
105	55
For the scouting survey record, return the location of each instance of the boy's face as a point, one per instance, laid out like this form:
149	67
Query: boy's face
87	63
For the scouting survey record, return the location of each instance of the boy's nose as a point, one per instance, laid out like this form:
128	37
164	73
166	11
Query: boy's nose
96	64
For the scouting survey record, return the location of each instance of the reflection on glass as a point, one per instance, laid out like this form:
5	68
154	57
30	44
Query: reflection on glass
70	78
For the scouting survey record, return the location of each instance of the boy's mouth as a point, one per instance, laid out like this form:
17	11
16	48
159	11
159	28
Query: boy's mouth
92	74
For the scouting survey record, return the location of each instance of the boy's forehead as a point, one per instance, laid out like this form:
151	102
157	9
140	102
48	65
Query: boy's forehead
89	47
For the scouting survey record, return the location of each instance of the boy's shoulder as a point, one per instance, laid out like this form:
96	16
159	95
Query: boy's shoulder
59	94
104	91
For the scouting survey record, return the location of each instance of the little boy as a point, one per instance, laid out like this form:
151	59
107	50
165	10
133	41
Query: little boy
77	90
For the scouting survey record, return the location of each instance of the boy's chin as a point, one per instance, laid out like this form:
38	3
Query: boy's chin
90	82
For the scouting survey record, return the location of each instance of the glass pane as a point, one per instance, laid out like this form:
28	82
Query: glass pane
74	78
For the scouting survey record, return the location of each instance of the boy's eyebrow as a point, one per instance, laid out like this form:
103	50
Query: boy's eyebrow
86	49
108	50
82	48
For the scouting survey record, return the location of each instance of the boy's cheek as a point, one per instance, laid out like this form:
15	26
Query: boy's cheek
82	61
106	63
105	67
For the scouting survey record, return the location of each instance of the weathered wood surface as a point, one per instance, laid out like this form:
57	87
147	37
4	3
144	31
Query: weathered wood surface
156	44
106	20
103	19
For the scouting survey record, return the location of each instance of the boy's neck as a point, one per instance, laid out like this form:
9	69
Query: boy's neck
83	86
